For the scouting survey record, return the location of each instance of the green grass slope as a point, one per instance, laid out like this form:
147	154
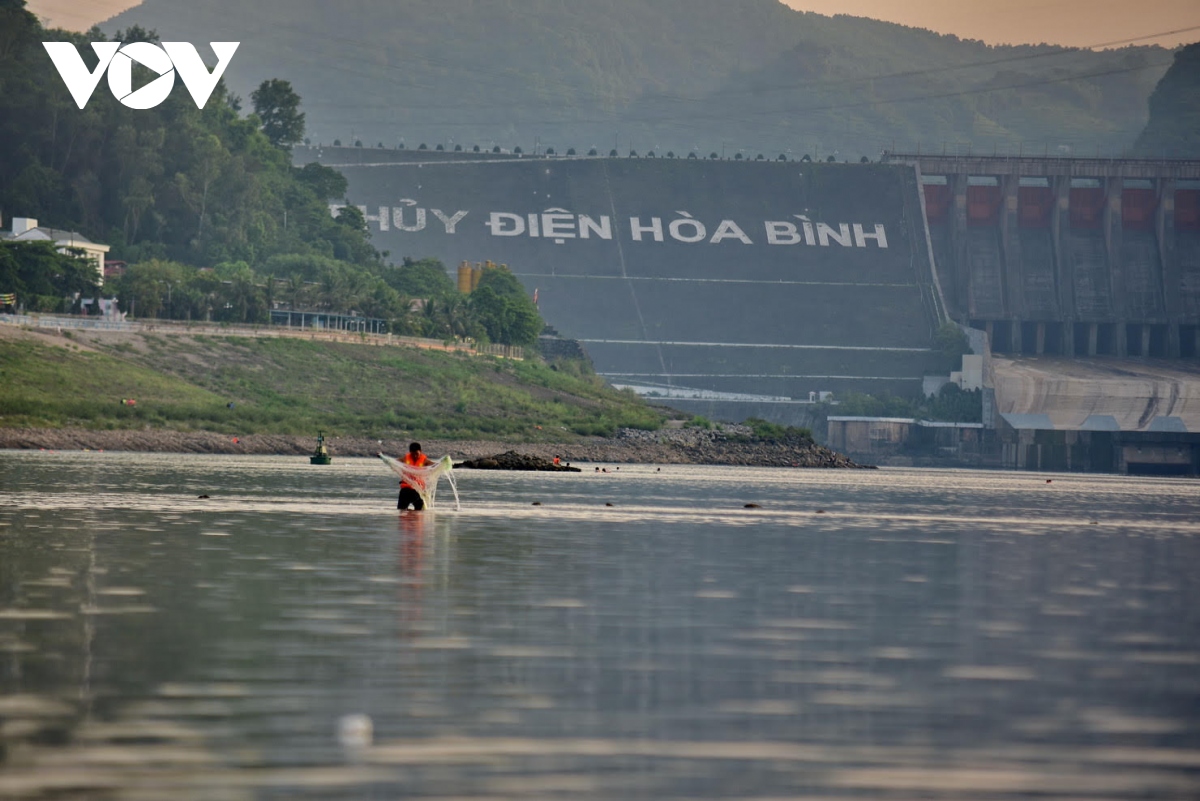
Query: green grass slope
294	386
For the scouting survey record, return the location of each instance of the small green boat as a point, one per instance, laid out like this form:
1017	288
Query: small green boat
321	454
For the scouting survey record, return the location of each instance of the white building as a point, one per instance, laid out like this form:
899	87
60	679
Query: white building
26	229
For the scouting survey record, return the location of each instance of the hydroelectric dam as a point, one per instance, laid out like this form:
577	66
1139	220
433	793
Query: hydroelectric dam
730	288
757	288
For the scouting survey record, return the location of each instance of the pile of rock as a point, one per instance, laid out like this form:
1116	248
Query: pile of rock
511	460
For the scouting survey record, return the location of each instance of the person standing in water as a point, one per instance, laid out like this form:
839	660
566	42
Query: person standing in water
408	493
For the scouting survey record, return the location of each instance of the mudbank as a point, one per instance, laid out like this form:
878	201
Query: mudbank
511	460
687	446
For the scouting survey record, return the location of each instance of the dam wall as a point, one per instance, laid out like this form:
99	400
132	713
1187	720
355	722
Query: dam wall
720	284
1071	257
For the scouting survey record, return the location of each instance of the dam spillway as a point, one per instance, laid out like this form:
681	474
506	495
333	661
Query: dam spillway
1069	257
757	285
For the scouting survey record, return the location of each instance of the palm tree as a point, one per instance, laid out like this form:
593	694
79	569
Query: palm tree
296	289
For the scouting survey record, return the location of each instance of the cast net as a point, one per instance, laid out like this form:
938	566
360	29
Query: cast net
425	479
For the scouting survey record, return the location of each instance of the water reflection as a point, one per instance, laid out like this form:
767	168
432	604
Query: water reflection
901	634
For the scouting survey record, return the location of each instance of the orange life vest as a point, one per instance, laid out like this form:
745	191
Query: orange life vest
418	461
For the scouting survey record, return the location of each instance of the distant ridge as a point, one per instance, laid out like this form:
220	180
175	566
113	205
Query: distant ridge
748	76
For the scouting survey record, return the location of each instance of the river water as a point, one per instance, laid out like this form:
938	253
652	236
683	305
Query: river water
895	634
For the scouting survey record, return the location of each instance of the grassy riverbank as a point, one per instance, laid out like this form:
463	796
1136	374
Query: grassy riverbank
185	382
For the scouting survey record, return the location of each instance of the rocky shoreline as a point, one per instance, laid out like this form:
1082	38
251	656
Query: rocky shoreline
730	446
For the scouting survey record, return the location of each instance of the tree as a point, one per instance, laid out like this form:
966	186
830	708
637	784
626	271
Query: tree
425	278
325	182
502	308
37	268
507	320
152	285
952	343
1173	129
278	109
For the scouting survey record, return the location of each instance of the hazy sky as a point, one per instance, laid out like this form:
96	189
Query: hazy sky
1079	23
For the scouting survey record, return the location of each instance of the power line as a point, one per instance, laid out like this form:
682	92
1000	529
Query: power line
806	109
818	83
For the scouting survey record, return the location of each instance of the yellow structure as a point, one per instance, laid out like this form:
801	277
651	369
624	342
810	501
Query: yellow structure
469	277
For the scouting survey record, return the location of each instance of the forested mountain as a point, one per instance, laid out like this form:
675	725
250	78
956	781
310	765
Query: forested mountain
1174	127
739	75
206	206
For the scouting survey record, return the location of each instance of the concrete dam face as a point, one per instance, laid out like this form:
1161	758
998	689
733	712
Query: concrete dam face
758	283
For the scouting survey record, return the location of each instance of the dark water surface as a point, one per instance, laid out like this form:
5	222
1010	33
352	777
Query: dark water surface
896	634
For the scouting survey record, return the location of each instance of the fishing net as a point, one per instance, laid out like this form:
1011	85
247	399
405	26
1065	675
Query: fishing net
425	479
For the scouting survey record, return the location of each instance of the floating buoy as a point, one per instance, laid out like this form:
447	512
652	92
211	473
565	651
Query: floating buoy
355	731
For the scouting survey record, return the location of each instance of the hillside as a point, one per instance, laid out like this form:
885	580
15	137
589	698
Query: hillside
294	386
1174	127
745	76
